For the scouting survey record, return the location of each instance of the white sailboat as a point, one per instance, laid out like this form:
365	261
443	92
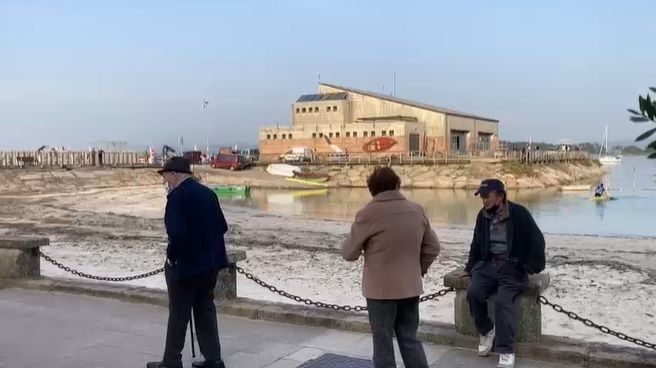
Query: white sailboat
604	157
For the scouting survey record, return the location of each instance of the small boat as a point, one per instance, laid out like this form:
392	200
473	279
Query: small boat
307	182
315	177
379	144
574	188
283	170
231	189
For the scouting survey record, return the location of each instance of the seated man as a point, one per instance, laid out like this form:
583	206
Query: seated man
507	245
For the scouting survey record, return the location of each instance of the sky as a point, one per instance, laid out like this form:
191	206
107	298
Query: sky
77	72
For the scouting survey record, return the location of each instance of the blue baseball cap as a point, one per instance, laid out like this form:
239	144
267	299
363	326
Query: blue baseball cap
490	185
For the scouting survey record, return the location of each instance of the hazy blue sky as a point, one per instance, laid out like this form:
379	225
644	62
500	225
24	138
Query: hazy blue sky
74	72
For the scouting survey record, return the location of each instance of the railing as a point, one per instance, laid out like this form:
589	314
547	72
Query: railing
21	159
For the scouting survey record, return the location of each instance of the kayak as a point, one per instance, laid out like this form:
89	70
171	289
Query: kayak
602	199
307	182
231	189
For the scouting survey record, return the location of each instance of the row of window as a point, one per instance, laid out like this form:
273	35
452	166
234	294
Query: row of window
383	133
303	110
284	136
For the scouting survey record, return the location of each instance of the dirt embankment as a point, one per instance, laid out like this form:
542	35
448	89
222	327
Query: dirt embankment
453	176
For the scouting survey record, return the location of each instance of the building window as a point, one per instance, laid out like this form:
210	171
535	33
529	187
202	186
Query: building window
327	108
373	133
355	134
366	134
314	135
383	133
320	135
337	135
391	133
290	135
275	136
284	136
316	109
348	134
334	108
304	110
268	136
298	110
330	135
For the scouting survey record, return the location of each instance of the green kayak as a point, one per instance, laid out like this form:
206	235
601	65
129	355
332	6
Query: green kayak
231	189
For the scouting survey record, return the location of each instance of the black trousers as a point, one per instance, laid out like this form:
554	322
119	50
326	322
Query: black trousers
506	280
196	293
400	317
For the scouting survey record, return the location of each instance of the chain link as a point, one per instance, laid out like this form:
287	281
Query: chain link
357	308
100	278
589	323
347	308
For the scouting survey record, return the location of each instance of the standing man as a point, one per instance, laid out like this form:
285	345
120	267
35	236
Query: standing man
399	245
507	246
196	252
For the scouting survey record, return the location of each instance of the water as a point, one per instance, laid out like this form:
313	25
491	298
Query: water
632	214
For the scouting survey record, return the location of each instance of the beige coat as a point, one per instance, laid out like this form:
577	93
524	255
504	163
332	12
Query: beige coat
398	243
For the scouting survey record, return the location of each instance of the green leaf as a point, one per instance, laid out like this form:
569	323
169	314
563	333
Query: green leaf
646	135
652	156
652	145
641	104
653	89
639	119
633	112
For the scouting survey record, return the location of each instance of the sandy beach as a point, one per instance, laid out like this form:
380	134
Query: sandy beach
118	232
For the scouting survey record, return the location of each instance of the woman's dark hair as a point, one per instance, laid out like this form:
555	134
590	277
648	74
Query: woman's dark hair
383	179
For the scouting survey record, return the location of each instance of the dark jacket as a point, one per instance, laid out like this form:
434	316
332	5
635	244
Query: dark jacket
195	225
525	240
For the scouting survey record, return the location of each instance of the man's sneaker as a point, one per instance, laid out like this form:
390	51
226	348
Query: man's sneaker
506	361
485	343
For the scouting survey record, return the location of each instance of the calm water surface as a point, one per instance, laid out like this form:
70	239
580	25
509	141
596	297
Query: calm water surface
633	183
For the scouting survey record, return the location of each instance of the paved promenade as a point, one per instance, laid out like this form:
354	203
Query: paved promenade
40	329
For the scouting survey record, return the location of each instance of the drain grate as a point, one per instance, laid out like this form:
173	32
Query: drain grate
337	361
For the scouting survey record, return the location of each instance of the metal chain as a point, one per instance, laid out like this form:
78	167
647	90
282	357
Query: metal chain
589	323
306	301
100	278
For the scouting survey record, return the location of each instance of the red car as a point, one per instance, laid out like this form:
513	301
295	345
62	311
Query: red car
230	162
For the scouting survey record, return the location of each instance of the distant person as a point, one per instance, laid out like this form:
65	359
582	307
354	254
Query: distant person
600	191
399	245
507	245
196	252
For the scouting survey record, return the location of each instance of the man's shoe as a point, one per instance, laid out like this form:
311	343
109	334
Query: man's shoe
506	361
162	365
486	342
209	364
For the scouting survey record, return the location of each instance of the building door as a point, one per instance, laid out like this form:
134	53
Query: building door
414	143
484	140
458	141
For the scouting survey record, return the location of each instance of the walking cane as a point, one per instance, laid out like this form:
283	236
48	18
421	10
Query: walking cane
191	332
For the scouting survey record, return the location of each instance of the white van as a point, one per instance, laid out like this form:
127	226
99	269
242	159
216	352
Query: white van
297	154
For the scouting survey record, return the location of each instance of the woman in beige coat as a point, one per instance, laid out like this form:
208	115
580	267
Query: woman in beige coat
398	245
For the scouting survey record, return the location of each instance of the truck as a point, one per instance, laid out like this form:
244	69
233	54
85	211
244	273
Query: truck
297	154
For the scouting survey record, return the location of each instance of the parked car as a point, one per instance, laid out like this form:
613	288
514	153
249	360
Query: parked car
194	157
252	155
297	154
229	161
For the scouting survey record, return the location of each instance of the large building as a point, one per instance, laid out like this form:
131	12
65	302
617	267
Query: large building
351	119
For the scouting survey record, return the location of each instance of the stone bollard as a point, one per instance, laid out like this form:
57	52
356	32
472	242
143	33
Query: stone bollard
19	257
529	312
226	285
